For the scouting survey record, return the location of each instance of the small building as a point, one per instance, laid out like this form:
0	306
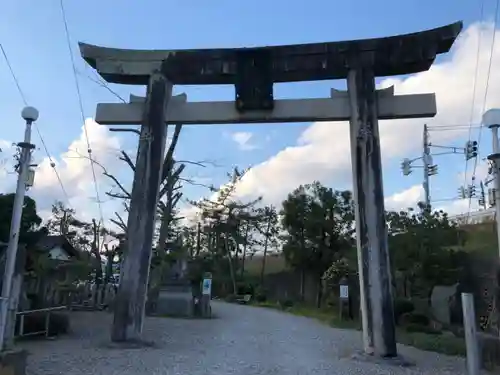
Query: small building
57	248
50	269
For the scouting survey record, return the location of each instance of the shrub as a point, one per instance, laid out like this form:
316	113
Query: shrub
414	318
261	297
412	327
260	294
285	303
401	307
245	288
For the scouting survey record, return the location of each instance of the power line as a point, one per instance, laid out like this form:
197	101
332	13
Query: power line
492	47
474	86
80	103
23	97
453	127
100	82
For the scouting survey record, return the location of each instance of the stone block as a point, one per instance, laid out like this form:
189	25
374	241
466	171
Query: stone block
441	299
13	362
489	346
175	300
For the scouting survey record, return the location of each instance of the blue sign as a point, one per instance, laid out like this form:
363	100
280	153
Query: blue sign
207	287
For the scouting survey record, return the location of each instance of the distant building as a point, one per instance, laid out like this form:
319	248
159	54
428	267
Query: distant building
475	217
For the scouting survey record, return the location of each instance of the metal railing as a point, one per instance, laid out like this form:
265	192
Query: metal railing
46	311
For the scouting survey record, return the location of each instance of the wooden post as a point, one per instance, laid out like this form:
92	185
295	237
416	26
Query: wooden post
131	297
473	362
377	308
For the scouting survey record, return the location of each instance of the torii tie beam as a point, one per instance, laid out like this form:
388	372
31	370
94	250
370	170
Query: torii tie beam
253	71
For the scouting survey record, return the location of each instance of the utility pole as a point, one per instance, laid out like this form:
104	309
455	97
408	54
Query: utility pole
482	197
495	158
426	156
431	169
30	115
491	119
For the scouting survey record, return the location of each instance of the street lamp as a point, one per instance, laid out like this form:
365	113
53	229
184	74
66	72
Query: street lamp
8	308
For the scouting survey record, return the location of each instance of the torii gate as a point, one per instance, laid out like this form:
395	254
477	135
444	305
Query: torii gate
253	71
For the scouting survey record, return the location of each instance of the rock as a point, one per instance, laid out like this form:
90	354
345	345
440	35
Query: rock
13	362
490	351
175	299
441	299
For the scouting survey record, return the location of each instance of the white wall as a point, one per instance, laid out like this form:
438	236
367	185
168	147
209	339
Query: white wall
58	253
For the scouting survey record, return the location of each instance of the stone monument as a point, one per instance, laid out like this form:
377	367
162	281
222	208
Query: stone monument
175	296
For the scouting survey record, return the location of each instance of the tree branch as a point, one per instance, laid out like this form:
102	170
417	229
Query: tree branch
169	157
127	160
115	180
125	130
116	195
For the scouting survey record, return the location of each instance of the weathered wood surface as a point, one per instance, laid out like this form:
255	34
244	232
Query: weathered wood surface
336	108
395	55
131	297
371	234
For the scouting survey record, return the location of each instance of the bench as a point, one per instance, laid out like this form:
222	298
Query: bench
246	299
46	312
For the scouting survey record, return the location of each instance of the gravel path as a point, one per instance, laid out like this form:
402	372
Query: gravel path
241	340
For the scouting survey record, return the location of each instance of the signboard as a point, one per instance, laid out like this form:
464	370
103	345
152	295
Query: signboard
207	287
344	291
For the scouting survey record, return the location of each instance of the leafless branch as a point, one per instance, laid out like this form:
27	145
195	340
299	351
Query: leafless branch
81	156
116	195
125	130
120	186
201	163
198	163
191	182
127	160
120	222
169	157
170	180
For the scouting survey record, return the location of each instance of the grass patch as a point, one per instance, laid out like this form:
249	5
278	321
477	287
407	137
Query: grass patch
445	343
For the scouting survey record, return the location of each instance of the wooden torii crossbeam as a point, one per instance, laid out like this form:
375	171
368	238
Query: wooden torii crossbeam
253	72
335	108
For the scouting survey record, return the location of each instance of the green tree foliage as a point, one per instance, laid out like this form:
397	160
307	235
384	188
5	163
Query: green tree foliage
225	220
86	237
422	247
30	230
339	268
269	229
319	228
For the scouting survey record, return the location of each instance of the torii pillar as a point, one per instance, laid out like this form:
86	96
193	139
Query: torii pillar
253	71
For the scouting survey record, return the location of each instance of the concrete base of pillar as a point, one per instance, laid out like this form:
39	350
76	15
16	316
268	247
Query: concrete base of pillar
13	362
391	361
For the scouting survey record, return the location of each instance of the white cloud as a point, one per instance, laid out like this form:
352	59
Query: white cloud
405	199
481	171
243	139
322	151
75	173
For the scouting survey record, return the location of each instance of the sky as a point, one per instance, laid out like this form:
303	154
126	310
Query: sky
280	156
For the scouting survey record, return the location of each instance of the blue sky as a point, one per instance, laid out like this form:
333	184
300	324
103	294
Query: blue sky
32	33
